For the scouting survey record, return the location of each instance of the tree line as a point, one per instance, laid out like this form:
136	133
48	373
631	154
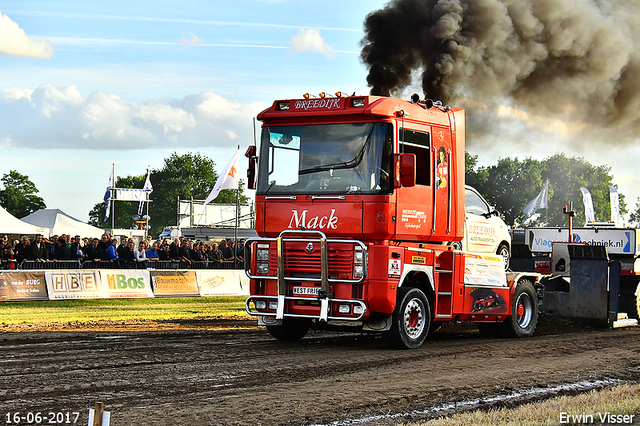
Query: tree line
184	177
511	183
508	186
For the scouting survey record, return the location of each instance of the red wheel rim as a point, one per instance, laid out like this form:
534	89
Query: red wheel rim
520	310
413	318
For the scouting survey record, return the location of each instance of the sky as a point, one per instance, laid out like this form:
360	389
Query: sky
87	85
84	85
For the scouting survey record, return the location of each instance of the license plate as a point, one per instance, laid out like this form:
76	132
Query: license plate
306	291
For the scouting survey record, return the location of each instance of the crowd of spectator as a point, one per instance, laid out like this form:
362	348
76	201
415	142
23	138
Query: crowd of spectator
64	250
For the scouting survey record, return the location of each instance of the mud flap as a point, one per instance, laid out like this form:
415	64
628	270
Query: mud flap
324	309
280	310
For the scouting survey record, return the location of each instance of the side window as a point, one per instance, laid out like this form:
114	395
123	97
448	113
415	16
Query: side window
474	204
413	142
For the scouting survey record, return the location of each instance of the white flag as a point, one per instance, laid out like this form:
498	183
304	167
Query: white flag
540	202
588	205
615	204
147	189
108	195
228	179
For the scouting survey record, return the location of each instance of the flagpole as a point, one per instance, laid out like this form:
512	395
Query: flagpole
235	247
113	198
146	226
146	230
547	209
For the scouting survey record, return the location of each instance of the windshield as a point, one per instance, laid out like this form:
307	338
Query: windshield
325	158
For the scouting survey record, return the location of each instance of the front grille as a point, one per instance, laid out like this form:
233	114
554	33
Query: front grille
299	263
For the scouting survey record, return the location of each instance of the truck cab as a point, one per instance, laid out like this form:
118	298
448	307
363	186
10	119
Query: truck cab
358	199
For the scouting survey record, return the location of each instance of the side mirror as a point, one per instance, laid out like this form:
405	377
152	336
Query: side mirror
251	171
405	173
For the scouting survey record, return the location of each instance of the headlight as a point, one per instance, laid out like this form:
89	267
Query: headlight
344	309
262	255
358	264
263	268
358	271
273	305
358	310
261	304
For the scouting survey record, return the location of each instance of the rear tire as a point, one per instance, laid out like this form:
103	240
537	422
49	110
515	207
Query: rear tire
291	329
524	312
411	319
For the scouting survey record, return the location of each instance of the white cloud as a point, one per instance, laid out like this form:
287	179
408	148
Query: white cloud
194	40
310	40
59	117
14	41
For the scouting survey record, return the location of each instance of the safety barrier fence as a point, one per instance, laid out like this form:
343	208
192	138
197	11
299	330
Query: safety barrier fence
82	283
11	264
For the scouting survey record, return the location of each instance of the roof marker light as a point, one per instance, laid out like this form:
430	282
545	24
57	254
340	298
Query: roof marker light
357	103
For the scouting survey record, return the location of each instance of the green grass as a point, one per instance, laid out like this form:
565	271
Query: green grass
619	400
87	311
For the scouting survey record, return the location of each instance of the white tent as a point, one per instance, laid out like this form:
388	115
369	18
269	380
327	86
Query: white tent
59	223
11	225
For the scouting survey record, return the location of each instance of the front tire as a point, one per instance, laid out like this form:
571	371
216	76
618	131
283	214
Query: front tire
291	329
503	250
524	312
411	319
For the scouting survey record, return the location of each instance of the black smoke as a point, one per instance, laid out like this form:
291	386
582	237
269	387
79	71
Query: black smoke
575	60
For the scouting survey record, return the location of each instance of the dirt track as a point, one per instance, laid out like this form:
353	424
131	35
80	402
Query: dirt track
230	373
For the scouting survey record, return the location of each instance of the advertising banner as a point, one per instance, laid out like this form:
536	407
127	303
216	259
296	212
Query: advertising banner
223	282
72	284
125	283
484	271
174	283
125	194
22	286
617	241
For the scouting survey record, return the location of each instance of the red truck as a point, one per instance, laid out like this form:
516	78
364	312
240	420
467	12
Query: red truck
359	202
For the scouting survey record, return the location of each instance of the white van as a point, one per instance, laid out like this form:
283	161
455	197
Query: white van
485	231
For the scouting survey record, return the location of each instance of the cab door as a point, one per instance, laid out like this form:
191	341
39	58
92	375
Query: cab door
414	206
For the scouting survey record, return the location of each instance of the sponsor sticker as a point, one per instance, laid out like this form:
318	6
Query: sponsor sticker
394	268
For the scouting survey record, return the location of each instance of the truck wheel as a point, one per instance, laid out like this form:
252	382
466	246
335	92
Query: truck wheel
291	329
411	319
503	250
524	318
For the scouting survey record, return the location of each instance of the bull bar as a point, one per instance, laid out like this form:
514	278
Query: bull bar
324	280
